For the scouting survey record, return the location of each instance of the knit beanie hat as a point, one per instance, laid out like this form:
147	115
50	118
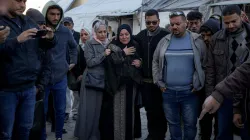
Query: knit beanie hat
212	25
35	15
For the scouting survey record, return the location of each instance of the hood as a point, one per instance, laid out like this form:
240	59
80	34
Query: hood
45	10
35	15
212	24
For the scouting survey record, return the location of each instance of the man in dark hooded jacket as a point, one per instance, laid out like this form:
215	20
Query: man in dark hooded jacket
207	30
59	65
43	78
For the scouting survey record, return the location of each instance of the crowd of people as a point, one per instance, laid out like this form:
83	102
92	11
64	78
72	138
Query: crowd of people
191	71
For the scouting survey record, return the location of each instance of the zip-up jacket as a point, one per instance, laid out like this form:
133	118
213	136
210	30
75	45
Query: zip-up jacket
199	49
20	62
148	45
64	52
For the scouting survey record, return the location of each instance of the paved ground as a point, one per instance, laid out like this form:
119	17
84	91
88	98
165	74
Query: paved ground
71	125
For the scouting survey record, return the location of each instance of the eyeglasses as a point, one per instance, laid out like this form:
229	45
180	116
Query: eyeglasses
176	13
151	22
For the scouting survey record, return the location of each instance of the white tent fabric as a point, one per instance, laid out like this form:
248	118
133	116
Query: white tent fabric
85	14
170	5
231	2
65	4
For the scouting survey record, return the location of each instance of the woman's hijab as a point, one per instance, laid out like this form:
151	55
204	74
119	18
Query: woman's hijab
86	30
118	42
96	28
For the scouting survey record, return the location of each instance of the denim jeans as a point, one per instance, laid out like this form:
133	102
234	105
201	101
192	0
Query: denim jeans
16	114
59	97
225	120
181	105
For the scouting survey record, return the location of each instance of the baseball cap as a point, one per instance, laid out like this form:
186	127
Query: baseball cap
68	19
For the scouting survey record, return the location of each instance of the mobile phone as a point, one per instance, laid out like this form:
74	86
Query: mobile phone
40	33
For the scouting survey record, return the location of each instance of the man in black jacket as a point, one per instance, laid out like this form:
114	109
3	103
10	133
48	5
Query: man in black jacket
68	22
20	66
151	94
237	82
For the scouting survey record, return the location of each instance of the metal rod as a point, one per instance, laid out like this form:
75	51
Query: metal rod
142	4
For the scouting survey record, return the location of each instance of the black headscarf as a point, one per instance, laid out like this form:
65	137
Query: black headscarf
118	42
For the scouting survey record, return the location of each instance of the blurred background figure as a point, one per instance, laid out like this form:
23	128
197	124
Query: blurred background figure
77	72
194	21
244	17
110	33
3	7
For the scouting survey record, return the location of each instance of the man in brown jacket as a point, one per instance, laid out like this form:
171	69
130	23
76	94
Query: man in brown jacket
239	80
229	48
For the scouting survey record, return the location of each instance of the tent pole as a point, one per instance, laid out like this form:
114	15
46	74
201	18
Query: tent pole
141	15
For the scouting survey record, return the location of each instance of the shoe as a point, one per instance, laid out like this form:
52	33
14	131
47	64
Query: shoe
66	117
53	128
59	139
74	117
64	131
148	138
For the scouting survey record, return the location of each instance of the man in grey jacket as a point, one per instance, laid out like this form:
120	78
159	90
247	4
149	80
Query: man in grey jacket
178	70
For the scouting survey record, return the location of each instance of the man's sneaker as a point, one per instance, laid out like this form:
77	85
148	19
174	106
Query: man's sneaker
74	117
66	117
148	138
64	131
59	139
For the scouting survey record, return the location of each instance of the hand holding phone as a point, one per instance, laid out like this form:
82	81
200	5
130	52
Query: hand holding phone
26	35
40	33
4	33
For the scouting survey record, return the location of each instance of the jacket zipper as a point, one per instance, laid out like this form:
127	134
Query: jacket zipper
148	57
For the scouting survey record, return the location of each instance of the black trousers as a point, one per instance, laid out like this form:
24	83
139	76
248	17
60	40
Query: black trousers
152	101
51	112
206	124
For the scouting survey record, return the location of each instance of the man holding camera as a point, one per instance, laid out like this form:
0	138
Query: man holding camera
20	66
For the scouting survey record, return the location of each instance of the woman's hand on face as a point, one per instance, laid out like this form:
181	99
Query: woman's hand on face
137	63
107	52
129	51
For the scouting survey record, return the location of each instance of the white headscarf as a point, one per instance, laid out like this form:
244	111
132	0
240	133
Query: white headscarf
89	33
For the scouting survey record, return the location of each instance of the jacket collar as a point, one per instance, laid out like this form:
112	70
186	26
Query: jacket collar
193	35
222	35
94	42
13	25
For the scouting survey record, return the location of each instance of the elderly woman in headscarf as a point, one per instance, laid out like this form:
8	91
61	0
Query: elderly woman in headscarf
92	88
122	71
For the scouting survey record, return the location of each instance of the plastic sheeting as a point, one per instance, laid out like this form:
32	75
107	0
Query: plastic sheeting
231	2
170	5
85	14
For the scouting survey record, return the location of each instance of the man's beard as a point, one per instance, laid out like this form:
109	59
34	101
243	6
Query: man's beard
51	24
